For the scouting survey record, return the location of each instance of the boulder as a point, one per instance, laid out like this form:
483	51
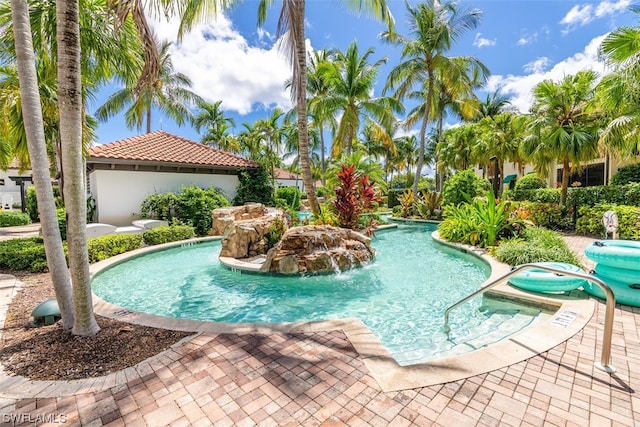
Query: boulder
320	249
244	228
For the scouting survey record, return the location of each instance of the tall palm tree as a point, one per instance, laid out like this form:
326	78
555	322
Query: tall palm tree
33	123
494	104
216	125
563	127
291	23
170	93
317	90
73	167
434	28
619	92
351	79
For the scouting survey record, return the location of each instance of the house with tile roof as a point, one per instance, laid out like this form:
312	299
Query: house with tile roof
285	178
121	174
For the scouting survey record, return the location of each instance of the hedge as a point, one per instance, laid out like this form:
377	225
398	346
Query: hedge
23	254
590	220
103	247
166	234
582	196
12	218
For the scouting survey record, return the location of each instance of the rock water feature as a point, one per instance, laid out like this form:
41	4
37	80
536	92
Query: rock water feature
310	249
318	249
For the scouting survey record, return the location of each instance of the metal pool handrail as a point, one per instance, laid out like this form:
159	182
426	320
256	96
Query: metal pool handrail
605	358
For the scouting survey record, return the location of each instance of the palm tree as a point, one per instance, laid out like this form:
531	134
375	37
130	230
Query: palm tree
317	90
216	124
563	127
351	79
493	105
71	110
291	23
33	124
435	26
619	92
169	93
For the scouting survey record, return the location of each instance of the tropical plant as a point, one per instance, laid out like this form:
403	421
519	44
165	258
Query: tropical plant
276	230
254	186
463	186
619	92
11	218
351	79
535	244
169	93
211	118
34	129
292	22
531	181
291	194
626	175
564	127
434	26
170	233
73	167
429	204
407	203
354	195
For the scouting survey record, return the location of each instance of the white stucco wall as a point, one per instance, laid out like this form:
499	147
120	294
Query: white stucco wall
9	190
290	183
118	194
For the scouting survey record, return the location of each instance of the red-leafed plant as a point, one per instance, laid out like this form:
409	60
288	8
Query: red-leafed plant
354	195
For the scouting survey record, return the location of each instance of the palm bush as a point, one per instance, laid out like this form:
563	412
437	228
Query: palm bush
480	222
535	244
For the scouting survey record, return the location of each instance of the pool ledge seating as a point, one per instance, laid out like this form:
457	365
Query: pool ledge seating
98	229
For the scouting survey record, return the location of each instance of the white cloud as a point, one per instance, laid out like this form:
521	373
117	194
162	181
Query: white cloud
483	42
527	38
519	88
537	66
223	66
580	15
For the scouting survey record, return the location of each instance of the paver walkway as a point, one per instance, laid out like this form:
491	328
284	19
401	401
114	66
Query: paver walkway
318	379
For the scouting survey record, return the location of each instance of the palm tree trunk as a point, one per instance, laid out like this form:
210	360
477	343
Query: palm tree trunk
149	120
423	133
565	181
70	106
322	165
32	116
301	106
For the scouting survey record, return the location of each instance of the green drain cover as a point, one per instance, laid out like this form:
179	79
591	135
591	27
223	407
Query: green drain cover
47	312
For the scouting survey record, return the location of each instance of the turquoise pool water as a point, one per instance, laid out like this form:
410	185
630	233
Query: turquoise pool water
401	296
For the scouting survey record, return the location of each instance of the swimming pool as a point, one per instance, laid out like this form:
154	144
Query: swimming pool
401	296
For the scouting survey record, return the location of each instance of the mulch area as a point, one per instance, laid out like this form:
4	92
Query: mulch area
51	353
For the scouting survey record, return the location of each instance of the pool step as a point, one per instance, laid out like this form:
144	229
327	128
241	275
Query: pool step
497	325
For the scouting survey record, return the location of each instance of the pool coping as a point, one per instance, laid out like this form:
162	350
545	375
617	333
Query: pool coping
390	375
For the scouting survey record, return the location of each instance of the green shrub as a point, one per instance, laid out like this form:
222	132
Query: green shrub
626	175
463	185
530	182
32	202
23	254
549	215
11	218
62	222
292	195
255	186
393	196
275	232
193	206
158	206
535	245
541	195
482	222
590	220
103	247
171	233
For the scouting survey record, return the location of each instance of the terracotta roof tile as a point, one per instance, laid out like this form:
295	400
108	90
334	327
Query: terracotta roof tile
161	146
285	174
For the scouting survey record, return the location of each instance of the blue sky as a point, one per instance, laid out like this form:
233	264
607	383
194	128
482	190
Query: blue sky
522	42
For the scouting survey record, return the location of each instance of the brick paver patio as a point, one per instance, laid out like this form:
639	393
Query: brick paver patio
318	379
